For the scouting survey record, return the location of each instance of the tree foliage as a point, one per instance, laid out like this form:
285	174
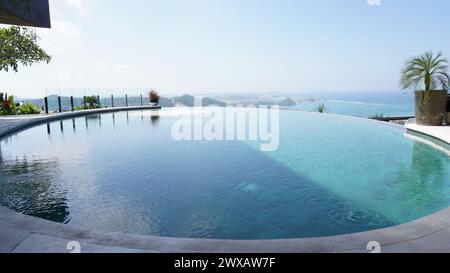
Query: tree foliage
92	102
429	69
18	46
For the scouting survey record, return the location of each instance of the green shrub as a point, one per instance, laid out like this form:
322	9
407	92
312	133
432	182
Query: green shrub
321	108
29	109
92	102
79	108
377	117
8	107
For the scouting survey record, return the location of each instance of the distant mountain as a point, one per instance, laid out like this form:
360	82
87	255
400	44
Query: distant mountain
165	102
188	100
208	102
268	102
287	102
185	100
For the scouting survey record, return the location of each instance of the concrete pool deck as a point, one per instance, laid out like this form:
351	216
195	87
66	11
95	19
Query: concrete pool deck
25	234
441	133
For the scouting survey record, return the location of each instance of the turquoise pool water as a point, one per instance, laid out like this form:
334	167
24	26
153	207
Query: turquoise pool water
123	172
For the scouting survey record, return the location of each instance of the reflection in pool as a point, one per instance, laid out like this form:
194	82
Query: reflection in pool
123	172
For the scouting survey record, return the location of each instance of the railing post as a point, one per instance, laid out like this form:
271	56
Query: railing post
126	100
112	101
142	102
72	106
46	105
59	104
84	102
98	100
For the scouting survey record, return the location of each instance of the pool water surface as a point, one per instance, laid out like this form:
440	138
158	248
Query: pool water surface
124	172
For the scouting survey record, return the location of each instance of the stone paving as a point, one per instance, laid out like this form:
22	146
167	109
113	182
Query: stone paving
24	234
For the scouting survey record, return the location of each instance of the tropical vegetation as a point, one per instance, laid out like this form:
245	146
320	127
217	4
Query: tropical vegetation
29	109
378	117
428	69
320	108
18	46
92	102
7	105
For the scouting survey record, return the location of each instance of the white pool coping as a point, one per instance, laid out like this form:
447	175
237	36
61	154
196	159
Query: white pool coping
439	132
25	234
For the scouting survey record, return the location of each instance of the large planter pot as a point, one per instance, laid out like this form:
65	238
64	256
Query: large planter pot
431	109
447	117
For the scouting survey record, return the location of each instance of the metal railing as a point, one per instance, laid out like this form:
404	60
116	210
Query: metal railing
59	104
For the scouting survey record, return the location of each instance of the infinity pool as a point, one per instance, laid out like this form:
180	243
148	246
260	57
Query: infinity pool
124	172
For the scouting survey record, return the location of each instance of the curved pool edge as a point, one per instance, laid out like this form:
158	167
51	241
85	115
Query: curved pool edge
439	133
25	234
13	124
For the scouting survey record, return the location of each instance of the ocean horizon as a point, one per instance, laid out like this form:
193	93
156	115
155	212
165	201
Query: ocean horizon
361	104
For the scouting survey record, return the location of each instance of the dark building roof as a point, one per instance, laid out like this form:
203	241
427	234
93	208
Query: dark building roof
35	13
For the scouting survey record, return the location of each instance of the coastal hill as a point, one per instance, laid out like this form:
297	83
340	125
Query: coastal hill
188	100
287	102
185	100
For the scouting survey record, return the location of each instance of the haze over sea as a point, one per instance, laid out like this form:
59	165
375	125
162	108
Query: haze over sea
364	104
392	104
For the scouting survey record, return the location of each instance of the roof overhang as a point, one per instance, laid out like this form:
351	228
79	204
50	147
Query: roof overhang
33	13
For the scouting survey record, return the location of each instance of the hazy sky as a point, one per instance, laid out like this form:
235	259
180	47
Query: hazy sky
208	46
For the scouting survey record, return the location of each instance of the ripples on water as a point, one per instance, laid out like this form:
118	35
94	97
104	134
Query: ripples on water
123	172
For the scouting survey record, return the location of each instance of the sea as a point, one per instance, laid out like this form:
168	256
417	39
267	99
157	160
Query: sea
362	104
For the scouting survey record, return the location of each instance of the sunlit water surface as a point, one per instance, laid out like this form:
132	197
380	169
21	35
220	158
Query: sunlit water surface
124	172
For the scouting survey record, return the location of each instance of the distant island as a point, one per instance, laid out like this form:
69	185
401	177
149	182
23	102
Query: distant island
179	101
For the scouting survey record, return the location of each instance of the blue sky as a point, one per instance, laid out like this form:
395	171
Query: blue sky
239	46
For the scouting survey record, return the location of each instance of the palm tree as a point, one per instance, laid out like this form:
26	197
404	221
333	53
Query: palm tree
430	69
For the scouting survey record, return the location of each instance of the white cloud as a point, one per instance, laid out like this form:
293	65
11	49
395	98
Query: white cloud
66	8
77	5
374	2
63	36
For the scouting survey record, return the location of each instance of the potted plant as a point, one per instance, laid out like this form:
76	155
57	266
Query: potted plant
153	97
431	71
448	111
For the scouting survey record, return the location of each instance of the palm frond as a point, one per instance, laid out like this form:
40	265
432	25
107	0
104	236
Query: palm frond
430	69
